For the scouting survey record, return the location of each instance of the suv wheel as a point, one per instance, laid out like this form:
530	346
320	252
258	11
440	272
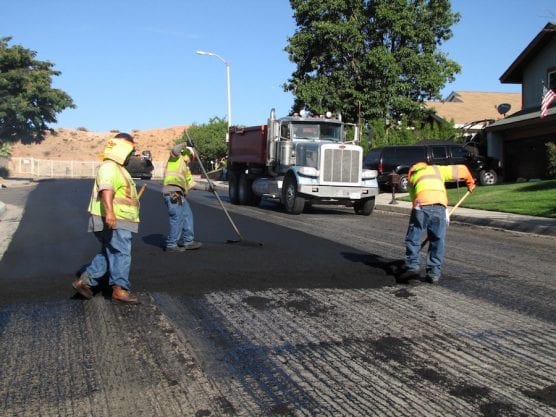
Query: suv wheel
403	185
488	177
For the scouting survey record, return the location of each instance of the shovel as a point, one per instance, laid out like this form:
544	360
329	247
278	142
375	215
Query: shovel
449	214
213	190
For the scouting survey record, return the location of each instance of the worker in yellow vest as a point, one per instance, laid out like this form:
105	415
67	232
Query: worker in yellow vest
114	216
178	181
428	194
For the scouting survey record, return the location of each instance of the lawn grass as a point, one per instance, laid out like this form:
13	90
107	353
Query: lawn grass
528	198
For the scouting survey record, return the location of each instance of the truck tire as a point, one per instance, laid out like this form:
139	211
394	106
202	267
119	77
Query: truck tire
233	187
245	192
488	177
293	203
364	207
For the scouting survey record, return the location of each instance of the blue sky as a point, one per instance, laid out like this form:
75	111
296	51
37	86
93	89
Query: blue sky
130	64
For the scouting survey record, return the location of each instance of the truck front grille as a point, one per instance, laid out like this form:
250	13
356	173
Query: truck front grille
341	165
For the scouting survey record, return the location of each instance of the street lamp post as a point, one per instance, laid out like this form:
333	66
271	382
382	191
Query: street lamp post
228	95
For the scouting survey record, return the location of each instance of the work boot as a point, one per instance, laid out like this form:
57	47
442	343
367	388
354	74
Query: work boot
433	280
123	296
192	245
175	249
408	274
81	285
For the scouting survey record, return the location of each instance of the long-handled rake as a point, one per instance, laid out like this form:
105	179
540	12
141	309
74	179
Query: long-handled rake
241	240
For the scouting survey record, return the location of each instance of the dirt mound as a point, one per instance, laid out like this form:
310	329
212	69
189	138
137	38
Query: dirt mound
82	145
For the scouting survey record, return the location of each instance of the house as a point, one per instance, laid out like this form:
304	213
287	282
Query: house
466	107
519	140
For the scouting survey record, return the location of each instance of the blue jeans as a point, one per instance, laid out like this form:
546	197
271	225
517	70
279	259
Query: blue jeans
431	219
114	257
181	222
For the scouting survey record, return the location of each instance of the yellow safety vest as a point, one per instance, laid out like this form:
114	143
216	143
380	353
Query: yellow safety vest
126	202
426	182
177	173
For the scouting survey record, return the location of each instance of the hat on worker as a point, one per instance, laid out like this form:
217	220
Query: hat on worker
119	148
125	136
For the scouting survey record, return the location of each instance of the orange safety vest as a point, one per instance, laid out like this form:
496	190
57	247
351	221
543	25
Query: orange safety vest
426	182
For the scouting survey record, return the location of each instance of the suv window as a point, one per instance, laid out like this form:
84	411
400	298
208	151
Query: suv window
460	155
372	159
405	155
439	154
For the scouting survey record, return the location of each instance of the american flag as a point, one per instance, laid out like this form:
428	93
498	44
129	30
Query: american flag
546	100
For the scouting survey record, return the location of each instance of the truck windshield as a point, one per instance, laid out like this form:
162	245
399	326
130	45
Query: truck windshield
317	131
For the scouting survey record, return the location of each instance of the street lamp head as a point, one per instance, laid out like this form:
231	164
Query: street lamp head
227	83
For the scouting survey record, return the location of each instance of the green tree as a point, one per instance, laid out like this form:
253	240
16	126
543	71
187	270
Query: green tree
27	100
381	54
381	133
209	139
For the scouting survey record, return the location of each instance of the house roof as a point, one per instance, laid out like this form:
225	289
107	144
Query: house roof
464	107
514	74
522	118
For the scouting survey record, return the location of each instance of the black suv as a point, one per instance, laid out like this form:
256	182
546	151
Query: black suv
390	160
140	166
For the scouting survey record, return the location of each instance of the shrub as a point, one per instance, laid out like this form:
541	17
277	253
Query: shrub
551	150
5	149
82	129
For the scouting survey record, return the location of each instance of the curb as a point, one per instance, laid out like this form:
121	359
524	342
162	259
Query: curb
2	209
533	226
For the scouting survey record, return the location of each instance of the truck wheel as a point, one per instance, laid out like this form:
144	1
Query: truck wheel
233	187
364	207
488	177
245	192
293	203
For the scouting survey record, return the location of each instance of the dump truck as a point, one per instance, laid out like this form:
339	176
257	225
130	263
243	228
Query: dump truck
299	160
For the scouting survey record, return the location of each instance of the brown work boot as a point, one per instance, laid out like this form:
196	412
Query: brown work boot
82	287
123	296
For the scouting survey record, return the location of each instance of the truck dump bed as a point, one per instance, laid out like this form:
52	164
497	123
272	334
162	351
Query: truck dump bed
248	145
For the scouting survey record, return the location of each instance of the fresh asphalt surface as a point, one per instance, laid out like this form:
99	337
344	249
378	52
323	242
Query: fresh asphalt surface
288	322
269	256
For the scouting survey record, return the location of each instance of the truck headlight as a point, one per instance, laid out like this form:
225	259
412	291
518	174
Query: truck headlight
369	174
309	171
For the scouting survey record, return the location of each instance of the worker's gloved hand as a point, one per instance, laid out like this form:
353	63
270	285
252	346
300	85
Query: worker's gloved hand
447	218
471	188
210	187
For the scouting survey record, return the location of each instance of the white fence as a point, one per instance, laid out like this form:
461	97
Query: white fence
49	168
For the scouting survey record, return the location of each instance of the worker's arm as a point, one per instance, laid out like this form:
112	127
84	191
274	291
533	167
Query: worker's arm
107	197
466	175
458	173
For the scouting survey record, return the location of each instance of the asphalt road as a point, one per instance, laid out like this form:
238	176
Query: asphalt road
301	318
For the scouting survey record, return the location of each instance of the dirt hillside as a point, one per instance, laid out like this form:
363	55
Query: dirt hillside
80	145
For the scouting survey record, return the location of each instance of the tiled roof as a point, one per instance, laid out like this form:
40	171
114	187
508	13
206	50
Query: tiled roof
467	106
